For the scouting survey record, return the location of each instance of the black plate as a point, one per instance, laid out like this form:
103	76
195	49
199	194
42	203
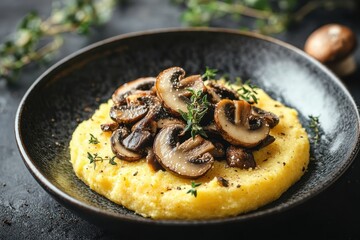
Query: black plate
72	89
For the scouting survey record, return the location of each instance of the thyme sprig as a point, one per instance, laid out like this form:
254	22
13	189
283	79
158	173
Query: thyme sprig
36	39
193	190
94	158
314	125
196	109
247	91
267	16
209	73
93	139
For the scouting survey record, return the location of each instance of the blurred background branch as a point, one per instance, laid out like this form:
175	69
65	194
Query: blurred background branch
36	39
267	16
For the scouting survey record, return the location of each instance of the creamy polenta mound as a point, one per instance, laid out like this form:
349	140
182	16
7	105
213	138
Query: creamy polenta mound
222	192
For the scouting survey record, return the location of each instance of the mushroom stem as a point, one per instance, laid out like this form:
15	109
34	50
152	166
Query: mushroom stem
344	67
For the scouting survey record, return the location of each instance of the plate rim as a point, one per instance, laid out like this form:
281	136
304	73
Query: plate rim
66	199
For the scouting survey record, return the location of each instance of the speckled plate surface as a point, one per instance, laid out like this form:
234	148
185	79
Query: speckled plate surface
72	89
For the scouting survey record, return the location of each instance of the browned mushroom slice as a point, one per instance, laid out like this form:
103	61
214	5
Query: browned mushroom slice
152	162
190	159
109	127
146	124
271	118
137	140
137	98
164	122
240	158
172	88
219	151
211	128
217	92
119	150
142	84
127	114
267	141
232	120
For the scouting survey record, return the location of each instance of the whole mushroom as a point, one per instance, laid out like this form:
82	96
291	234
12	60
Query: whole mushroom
333	45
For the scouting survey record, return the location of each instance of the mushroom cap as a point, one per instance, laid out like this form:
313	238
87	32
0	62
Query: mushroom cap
232	118
140	84
119	150
189	159
331	43
172	88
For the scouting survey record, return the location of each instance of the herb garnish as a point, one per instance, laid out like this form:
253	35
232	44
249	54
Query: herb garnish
247	91
193	190
36	38
265	16
314	125
197	108
209	73
96	158
93	139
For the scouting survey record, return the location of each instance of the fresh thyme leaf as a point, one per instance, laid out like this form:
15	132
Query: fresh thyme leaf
112	161
267	16
93	139
314	125
193	190
247	91
36	39
209	73
91	157
94	158
196	110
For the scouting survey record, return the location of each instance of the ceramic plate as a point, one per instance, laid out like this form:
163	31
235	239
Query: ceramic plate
72	89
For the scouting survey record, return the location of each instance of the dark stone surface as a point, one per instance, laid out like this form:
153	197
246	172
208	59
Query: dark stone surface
28	212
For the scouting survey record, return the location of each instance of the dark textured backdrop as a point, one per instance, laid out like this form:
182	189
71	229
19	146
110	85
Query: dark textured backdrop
28	212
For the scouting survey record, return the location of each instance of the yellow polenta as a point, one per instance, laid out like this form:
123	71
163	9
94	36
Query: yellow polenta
162	195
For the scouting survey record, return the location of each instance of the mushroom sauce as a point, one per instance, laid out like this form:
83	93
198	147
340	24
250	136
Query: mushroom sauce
178	147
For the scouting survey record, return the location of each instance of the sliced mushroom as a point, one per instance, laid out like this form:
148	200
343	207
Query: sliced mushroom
137	98
109	127
119	150
151	160
128	114
211	128
164	122
232	120
146	124
190	159
172	88
142	84
137	140
217	92
145	129
240	158
271	118
219	151
267	141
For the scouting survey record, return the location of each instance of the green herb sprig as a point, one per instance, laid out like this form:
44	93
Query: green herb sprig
93	139
94	158
314	125
268	16
193	190
247	91
36	39
209	73
196	110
